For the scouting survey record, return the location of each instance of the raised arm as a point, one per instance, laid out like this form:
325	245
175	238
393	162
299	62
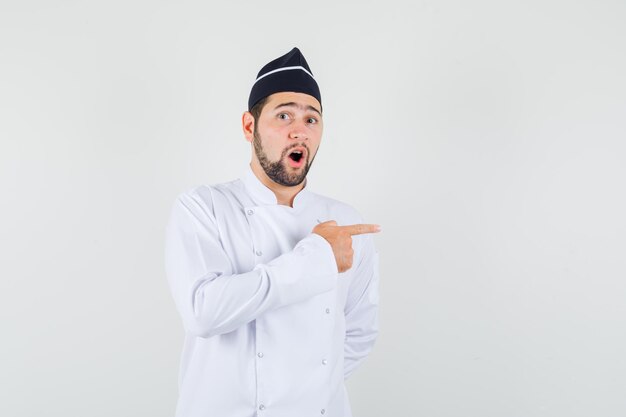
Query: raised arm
210	299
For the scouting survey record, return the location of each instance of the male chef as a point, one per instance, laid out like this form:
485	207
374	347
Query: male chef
277	286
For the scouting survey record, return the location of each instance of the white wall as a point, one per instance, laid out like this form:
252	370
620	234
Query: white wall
488	138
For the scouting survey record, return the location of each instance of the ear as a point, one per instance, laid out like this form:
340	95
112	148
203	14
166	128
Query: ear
247	123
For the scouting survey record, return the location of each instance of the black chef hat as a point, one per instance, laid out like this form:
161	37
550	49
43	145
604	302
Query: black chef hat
289	72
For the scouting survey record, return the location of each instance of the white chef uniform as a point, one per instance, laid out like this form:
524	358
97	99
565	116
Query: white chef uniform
271	328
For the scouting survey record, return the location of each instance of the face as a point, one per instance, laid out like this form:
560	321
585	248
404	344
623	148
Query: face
286	136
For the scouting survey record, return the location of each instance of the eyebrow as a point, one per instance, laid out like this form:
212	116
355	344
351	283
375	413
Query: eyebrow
300	106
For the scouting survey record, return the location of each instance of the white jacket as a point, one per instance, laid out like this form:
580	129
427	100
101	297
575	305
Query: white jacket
272	329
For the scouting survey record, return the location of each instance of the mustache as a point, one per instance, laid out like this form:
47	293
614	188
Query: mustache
303	145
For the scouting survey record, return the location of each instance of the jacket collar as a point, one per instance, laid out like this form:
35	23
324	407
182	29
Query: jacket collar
262	195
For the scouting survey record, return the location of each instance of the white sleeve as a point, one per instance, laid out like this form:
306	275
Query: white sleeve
361	310
212	302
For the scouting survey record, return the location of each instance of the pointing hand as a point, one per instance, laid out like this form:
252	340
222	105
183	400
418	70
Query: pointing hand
340	239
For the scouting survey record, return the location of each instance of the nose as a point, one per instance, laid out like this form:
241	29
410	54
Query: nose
298	131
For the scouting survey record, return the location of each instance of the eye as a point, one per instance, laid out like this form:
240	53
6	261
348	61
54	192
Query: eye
283	116
311	120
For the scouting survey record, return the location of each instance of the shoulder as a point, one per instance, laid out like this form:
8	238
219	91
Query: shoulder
345	212
200	201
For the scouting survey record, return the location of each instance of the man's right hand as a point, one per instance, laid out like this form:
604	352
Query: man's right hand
340	238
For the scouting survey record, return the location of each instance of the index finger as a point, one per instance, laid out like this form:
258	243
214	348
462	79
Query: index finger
359	229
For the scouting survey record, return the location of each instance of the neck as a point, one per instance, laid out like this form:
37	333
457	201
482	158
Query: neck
284	194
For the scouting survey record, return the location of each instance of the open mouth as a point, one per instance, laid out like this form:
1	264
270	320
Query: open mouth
296	156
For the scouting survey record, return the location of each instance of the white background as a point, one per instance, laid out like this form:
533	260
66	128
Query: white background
486	137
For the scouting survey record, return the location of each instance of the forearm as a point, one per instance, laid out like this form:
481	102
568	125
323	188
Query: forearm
216	304
362	311
357	346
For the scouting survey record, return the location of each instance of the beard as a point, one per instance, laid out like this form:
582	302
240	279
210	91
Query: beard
279	171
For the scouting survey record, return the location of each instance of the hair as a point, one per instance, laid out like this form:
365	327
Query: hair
258	108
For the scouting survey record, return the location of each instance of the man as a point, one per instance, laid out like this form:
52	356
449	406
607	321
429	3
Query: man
277	286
